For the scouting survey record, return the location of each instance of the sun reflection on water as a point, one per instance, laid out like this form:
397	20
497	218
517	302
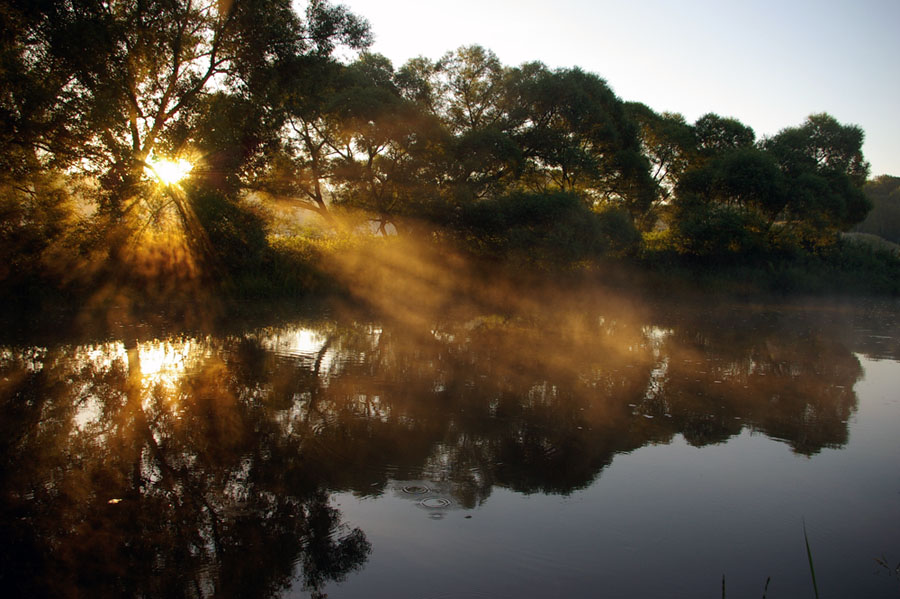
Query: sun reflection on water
295	342
161	365
164	362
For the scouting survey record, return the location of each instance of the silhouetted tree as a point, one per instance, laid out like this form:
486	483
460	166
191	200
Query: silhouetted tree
824	173
467	91
729	204
152	73
716	135
670	145
802	186
577	137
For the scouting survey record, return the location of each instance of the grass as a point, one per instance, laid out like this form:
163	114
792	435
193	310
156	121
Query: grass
812	568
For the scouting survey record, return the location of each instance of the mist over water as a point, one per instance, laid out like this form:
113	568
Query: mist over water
460	436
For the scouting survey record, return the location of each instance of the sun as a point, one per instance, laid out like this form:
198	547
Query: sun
168	172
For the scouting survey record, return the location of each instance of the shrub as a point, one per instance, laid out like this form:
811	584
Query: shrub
555	227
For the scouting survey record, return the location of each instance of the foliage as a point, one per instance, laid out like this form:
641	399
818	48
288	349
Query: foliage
154	72
884	219
800	188
556	227
527	160
825	171
160	79
580	139
235	230
669	143
35	222
728	205
716	135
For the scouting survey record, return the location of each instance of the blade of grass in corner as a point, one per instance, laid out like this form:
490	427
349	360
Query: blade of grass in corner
812	569
766	589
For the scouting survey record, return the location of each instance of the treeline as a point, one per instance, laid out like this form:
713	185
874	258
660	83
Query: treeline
527	161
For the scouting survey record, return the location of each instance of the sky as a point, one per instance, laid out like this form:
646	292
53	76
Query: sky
767	63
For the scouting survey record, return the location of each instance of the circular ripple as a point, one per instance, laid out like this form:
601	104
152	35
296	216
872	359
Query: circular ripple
436	503
415	490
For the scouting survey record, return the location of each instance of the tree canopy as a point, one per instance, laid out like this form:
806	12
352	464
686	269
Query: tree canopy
253	97
157	78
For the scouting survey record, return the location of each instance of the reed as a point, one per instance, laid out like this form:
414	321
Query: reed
812	568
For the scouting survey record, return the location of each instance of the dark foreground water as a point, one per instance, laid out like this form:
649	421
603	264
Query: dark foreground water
595	447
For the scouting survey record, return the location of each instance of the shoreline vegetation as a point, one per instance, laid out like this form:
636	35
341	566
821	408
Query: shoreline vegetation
200	159
316	276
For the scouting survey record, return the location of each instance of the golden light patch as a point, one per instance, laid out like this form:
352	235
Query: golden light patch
168	172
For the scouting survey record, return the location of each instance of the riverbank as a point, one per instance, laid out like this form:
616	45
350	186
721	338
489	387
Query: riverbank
402	277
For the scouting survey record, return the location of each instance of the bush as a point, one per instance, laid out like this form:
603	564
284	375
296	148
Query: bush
234	230
555	227
719	233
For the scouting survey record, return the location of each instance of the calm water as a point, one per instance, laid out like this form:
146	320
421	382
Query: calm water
581	447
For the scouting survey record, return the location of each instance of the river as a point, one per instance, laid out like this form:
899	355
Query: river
583	445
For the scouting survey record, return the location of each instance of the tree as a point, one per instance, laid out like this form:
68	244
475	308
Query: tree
716	135
728	193
821	144
464	88
353	141
467	91
298	166
390	153
802	186
729	204
824	172
577	137
84	131
555	227
470	84
153	69
669	143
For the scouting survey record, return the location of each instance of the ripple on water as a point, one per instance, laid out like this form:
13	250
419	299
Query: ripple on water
415	490
436	503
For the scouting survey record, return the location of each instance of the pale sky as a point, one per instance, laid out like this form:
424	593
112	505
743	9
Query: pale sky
768	63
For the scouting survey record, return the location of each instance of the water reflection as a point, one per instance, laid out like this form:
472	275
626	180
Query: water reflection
203	466
157	469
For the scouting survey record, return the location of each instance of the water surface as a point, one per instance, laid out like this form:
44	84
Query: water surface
590	446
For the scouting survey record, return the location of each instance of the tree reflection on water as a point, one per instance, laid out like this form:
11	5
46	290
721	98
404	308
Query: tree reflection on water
119	484
203	466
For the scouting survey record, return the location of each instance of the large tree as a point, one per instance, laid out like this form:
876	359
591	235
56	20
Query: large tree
468	92
578	137
729	203
716	135
802	186
669	143
354	141
149	78
824	172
